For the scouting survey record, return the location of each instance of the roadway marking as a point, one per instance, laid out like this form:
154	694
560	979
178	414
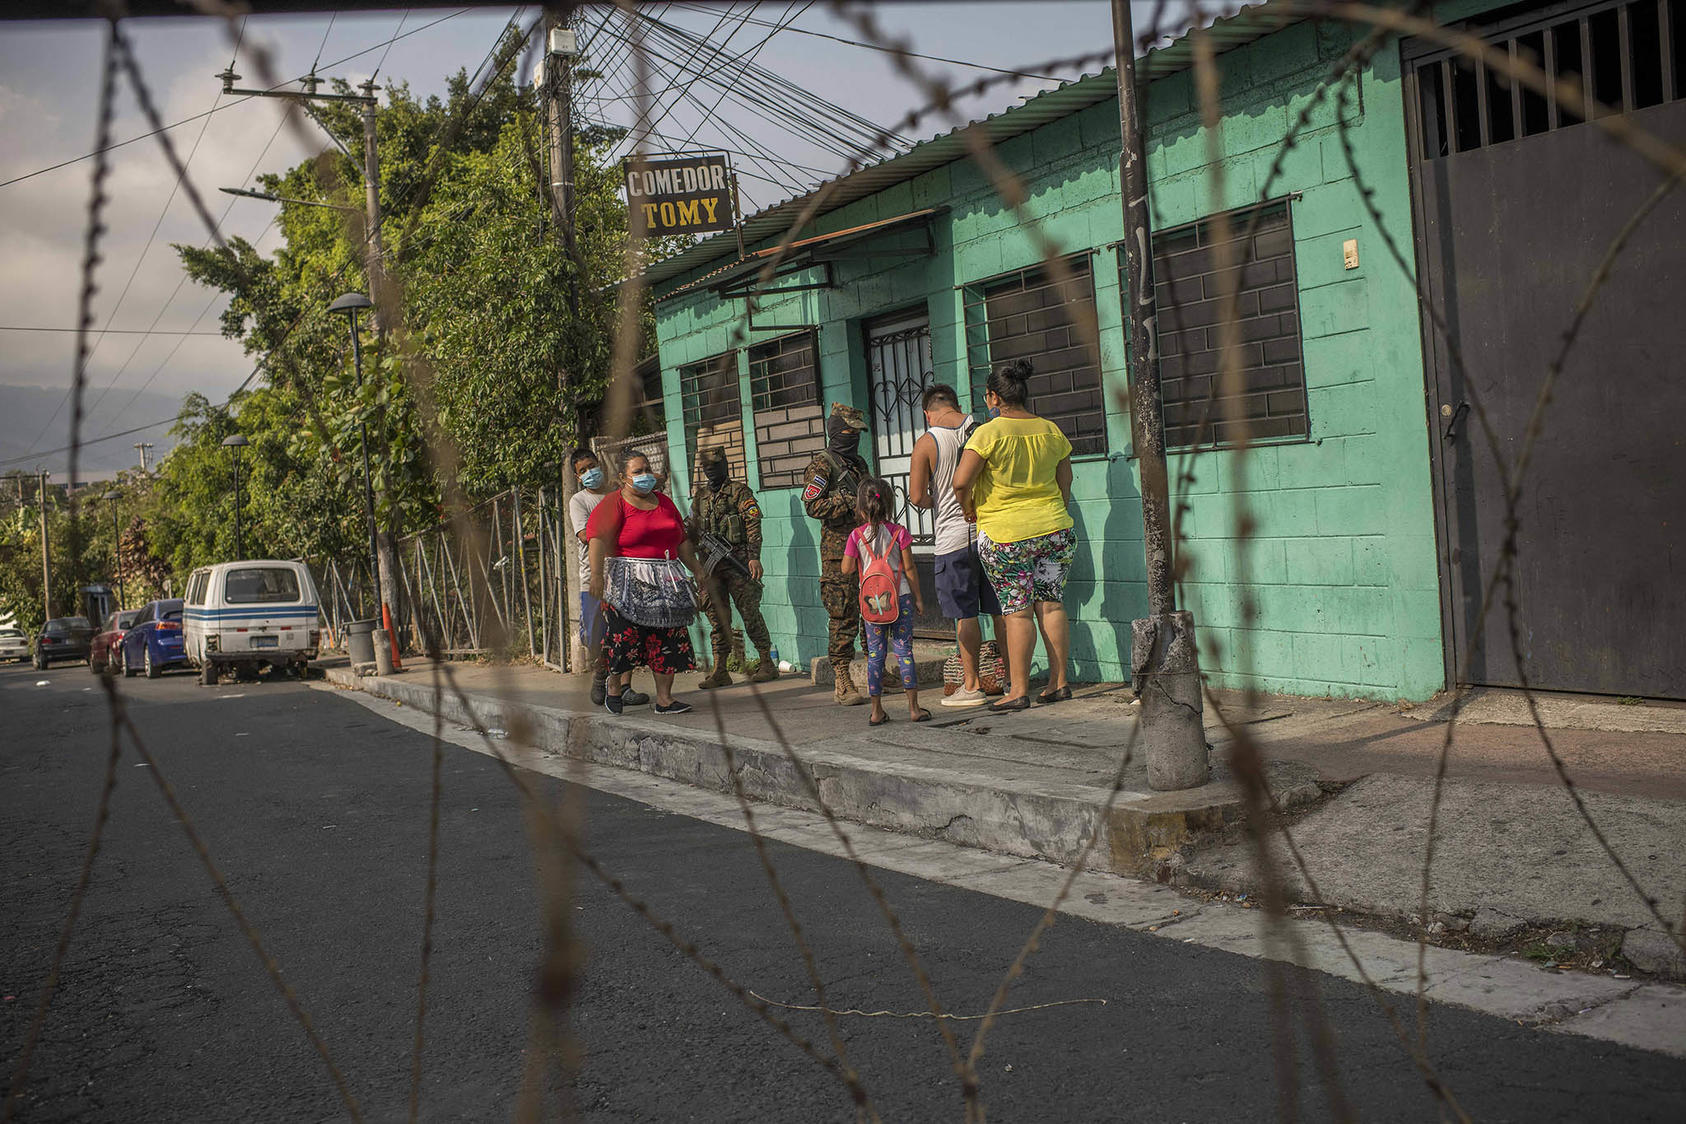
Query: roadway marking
1647	1016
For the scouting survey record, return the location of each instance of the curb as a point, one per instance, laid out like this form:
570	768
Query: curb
1050	822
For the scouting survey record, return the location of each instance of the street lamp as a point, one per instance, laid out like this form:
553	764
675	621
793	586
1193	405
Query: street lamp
234	443
116	541
267	197
351	304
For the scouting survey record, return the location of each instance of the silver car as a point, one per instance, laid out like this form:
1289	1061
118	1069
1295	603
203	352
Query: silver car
14	645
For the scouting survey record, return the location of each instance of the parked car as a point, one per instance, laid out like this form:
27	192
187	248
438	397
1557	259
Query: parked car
153	643
102	650
14	645
62	638
244	616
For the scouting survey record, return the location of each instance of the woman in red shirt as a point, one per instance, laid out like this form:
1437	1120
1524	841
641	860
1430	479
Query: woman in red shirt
639	522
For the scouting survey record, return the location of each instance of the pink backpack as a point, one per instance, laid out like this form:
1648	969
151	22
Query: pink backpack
880	586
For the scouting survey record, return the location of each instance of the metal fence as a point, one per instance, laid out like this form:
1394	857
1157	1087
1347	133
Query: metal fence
492	584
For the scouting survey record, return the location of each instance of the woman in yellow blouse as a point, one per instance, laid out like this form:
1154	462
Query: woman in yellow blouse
1014	481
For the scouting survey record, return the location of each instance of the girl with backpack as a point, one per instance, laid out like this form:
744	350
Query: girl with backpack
882	553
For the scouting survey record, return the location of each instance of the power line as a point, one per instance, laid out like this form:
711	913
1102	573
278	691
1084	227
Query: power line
230	105
109	331
292	327
86	441
163	213
888	50
280	124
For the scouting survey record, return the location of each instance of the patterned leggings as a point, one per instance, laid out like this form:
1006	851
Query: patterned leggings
899	636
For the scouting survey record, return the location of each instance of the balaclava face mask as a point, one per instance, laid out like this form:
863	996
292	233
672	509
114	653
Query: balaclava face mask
842	440
714	471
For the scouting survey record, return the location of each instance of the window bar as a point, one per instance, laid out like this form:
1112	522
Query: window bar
1448	107
1665	42
1549	41
1625	38
1587	71
1515	93
1483	133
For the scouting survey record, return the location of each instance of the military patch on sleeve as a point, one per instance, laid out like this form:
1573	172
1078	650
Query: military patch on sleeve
814	490
750	510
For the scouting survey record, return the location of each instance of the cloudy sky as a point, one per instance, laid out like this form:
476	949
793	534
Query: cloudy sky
162	332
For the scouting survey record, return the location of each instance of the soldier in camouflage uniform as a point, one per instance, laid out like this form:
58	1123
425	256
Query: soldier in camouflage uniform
833	477
727	508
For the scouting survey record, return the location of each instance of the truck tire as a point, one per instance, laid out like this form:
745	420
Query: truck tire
208	674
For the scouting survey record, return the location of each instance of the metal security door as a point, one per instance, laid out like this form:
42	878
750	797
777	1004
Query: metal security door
899	365
1519	201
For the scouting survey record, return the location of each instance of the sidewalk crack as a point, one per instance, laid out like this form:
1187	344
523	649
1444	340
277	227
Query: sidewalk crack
1563	1010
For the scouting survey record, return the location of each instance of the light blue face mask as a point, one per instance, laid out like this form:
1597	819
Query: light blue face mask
644	483
591	478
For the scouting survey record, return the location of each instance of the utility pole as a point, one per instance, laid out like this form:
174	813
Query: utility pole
1163	659
143	447
375	252
374	261
46	557
561	50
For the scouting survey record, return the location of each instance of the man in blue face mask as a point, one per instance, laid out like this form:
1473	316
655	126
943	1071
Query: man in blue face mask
594	485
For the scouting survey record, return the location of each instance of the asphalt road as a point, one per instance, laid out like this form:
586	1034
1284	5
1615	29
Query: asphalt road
317	811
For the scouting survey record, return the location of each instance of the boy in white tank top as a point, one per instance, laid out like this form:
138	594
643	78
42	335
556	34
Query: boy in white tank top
963	592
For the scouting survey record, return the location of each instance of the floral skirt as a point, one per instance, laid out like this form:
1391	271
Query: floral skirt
626	645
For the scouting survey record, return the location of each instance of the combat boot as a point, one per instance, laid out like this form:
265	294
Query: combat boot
719	677
765	671
845	692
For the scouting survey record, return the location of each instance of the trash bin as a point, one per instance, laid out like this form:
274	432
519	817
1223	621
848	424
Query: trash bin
360	640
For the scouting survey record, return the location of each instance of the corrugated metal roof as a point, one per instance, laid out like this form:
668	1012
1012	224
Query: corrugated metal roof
1245	26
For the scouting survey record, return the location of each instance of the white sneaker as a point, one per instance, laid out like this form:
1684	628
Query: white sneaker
963	697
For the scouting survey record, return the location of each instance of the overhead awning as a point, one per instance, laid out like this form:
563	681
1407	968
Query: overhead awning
739	278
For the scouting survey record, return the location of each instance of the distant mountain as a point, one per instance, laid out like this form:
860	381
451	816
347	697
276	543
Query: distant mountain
24	416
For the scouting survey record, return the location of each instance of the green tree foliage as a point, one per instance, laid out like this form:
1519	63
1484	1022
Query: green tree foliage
506	339
81	553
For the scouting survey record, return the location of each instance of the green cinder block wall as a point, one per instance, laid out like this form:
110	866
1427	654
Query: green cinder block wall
1336	591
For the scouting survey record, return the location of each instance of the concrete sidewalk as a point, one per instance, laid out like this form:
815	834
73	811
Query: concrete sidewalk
1515	865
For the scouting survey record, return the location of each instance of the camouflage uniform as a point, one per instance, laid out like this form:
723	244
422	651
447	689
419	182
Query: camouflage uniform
829	496
732	513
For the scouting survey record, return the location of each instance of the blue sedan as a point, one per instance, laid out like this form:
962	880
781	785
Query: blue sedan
154	642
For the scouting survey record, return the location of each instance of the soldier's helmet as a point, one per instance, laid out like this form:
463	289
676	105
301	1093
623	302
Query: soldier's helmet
850	416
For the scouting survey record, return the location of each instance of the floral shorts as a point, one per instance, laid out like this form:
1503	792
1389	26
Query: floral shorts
1028	570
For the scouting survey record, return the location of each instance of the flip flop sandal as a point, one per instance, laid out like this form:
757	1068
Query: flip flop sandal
923	716
877	721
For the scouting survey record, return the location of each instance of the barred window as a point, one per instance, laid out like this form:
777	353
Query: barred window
1026	315
784	392
713	410
1189	287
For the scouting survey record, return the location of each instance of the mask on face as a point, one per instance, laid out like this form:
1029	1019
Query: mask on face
715	471
591	479
993	411
840	439
644	483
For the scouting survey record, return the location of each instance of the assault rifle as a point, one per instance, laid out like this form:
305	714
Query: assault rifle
716	552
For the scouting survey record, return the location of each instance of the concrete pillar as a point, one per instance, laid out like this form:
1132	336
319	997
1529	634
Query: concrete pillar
383	651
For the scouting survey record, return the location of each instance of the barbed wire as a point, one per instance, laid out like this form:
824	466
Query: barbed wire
555	835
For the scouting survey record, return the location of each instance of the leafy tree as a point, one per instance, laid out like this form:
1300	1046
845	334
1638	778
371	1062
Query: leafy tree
506	338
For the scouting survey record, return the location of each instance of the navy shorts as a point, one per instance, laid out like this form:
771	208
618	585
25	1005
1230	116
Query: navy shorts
962	589
591	620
